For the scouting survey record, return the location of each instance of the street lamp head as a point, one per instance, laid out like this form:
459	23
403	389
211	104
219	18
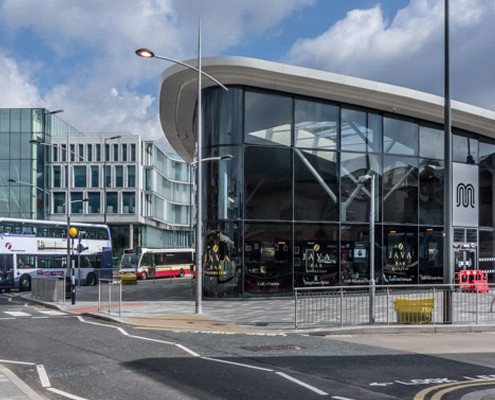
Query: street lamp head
11	180
35	142
145	53
364	178
53	112
114	137
227	157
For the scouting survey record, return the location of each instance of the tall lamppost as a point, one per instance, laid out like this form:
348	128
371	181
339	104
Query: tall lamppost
199	140
105	174
363	179
448	261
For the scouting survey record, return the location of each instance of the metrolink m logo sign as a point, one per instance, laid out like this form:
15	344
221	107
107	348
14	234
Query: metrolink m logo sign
465	194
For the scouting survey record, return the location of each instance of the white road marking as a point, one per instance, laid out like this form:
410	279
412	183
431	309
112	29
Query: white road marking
52	312
7	318
301	383
341	398
17	313
9	299
65	394
184	348
40	317
45	382
236	363
16	362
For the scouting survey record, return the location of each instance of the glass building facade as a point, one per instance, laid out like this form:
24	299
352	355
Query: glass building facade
25	163
289	209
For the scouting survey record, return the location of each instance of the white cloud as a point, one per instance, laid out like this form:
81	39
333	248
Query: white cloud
94	42
408	50
15	86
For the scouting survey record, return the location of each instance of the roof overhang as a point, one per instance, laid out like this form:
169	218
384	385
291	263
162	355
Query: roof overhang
178	95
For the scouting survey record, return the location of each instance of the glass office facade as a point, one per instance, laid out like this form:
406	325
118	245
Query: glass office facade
290	211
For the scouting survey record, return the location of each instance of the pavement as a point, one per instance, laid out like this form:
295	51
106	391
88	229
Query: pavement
170	304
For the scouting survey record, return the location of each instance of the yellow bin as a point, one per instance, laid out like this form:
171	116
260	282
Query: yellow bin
414	310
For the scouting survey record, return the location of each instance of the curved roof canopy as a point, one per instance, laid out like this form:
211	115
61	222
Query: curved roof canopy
178	95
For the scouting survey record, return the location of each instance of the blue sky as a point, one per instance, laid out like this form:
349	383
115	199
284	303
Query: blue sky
79	54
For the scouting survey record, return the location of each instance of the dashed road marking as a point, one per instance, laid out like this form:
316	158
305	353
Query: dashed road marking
17	313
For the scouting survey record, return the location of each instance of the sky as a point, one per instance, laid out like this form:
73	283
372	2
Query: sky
78	55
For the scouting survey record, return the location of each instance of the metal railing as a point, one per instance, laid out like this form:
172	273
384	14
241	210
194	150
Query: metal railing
48	288
394	304
110	296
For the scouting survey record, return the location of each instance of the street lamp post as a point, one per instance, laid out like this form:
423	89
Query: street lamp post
199	223
105	174
363	179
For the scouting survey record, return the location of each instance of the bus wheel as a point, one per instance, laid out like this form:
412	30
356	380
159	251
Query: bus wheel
143	276
181	273
91	280
25	283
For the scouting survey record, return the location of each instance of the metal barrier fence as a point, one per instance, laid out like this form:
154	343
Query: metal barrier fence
48	288
110	296
394	304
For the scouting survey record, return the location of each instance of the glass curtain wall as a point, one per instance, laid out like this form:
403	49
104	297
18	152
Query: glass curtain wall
292	206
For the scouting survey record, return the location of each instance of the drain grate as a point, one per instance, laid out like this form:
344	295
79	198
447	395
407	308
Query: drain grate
273	348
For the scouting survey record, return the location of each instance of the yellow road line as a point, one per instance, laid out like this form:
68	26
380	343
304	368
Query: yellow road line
421	395
440	394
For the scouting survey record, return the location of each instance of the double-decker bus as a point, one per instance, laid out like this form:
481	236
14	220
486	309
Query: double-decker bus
30	248
157	263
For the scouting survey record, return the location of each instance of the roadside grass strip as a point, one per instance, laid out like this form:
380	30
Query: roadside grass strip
450	387
194	354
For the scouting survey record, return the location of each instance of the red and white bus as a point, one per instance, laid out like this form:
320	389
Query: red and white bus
157	263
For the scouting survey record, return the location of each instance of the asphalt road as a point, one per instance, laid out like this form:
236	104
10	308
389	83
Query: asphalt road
95	360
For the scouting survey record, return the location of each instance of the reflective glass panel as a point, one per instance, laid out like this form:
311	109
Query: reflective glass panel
95	176
222	116
131	176
316	255
316	125
89	152
129	202
119	176
431	192
94	203
26	120
80	176
486	252
4	121
487	153
57	179
15	146
355	254
124	152
15	120
76	203
98	152
465	149
486	198
355	195
133	152
222	268
353	130
400	255
58	202
400	137
223	180
268	118
108	175
430	255
316	185
400	189
115	152
431	142
112	203
268	258
268	183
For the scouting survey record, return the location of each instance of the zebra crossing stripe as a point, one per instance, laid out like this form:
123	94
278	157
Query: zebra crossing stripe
51	312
